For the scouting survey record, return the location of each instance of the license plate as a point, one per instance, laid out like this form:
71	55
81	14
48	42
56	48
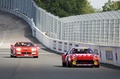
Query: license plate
26	55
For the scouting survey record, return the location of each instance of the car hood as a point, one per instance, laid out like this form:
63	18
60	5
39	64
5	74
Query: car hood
84	56
25	49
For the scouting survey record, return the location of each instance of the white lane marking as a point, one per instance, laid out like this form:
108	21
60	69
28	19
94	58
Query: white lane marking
4	36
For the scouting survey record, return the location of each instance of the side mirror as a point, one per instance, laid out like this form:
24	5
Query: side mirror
97	53
12	45
38	46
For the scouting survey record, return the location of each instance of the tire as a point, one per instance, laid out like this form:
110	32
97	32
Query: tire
97	66
63	64
15	56
11	53
11	56
68	64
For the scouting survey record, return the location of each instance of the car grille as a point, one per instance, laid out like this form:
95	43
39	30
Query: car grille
84	61
26	52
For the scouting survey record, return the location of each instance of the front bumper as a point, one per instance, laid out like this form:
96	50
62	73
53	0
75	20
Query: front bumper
26	54
85	63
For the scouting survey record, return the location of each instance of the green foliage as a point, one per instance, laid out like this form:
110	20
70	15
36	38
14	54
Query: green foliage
64	8
111	5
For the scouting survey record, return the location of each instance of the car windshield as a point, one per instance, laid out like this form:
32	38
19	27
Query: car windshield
24	44
81	51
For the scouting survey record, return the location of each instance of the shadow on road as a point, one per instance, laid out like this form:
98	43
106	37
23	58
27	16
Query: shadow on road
110	66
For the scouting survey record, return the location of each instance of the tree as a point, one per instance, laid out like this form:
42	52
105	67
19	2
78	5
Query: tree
111	5
64	8
98	10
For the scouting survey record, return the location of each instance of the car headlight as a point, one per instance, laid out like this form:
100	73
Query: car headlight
95	62
74	62
18	49
33	49
18	52
33	52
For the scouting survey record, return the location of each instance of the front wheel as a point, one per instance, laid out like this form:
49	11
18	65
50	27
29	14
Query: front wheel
11	56
68	64
97	66
63	64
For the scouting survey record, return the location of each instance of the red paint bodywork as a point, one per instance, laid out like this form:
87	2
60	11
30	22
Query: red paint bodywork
28	49
80	59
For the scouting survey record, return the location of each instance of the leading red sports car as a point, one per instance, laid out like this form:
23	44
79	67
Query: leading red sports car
80	56
24	49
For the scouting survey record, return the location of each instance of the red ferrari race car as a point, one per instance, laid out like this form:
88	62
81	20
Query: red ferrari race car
80	56
24	49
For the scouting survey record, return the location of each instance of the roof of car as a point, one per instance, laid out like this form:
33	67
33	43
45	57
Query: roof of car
81	47
23	42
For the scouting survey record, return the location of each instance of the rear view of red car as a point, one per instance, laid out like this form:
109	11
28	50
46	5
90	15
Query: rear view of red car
24	49
80	56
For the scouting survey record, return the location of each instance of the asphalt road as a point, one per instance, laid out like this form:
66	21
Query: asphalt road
48	65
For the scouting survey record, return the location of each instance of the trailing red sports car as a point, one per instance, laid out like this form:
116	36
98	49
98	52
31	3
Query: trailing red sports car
80	56
24	49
